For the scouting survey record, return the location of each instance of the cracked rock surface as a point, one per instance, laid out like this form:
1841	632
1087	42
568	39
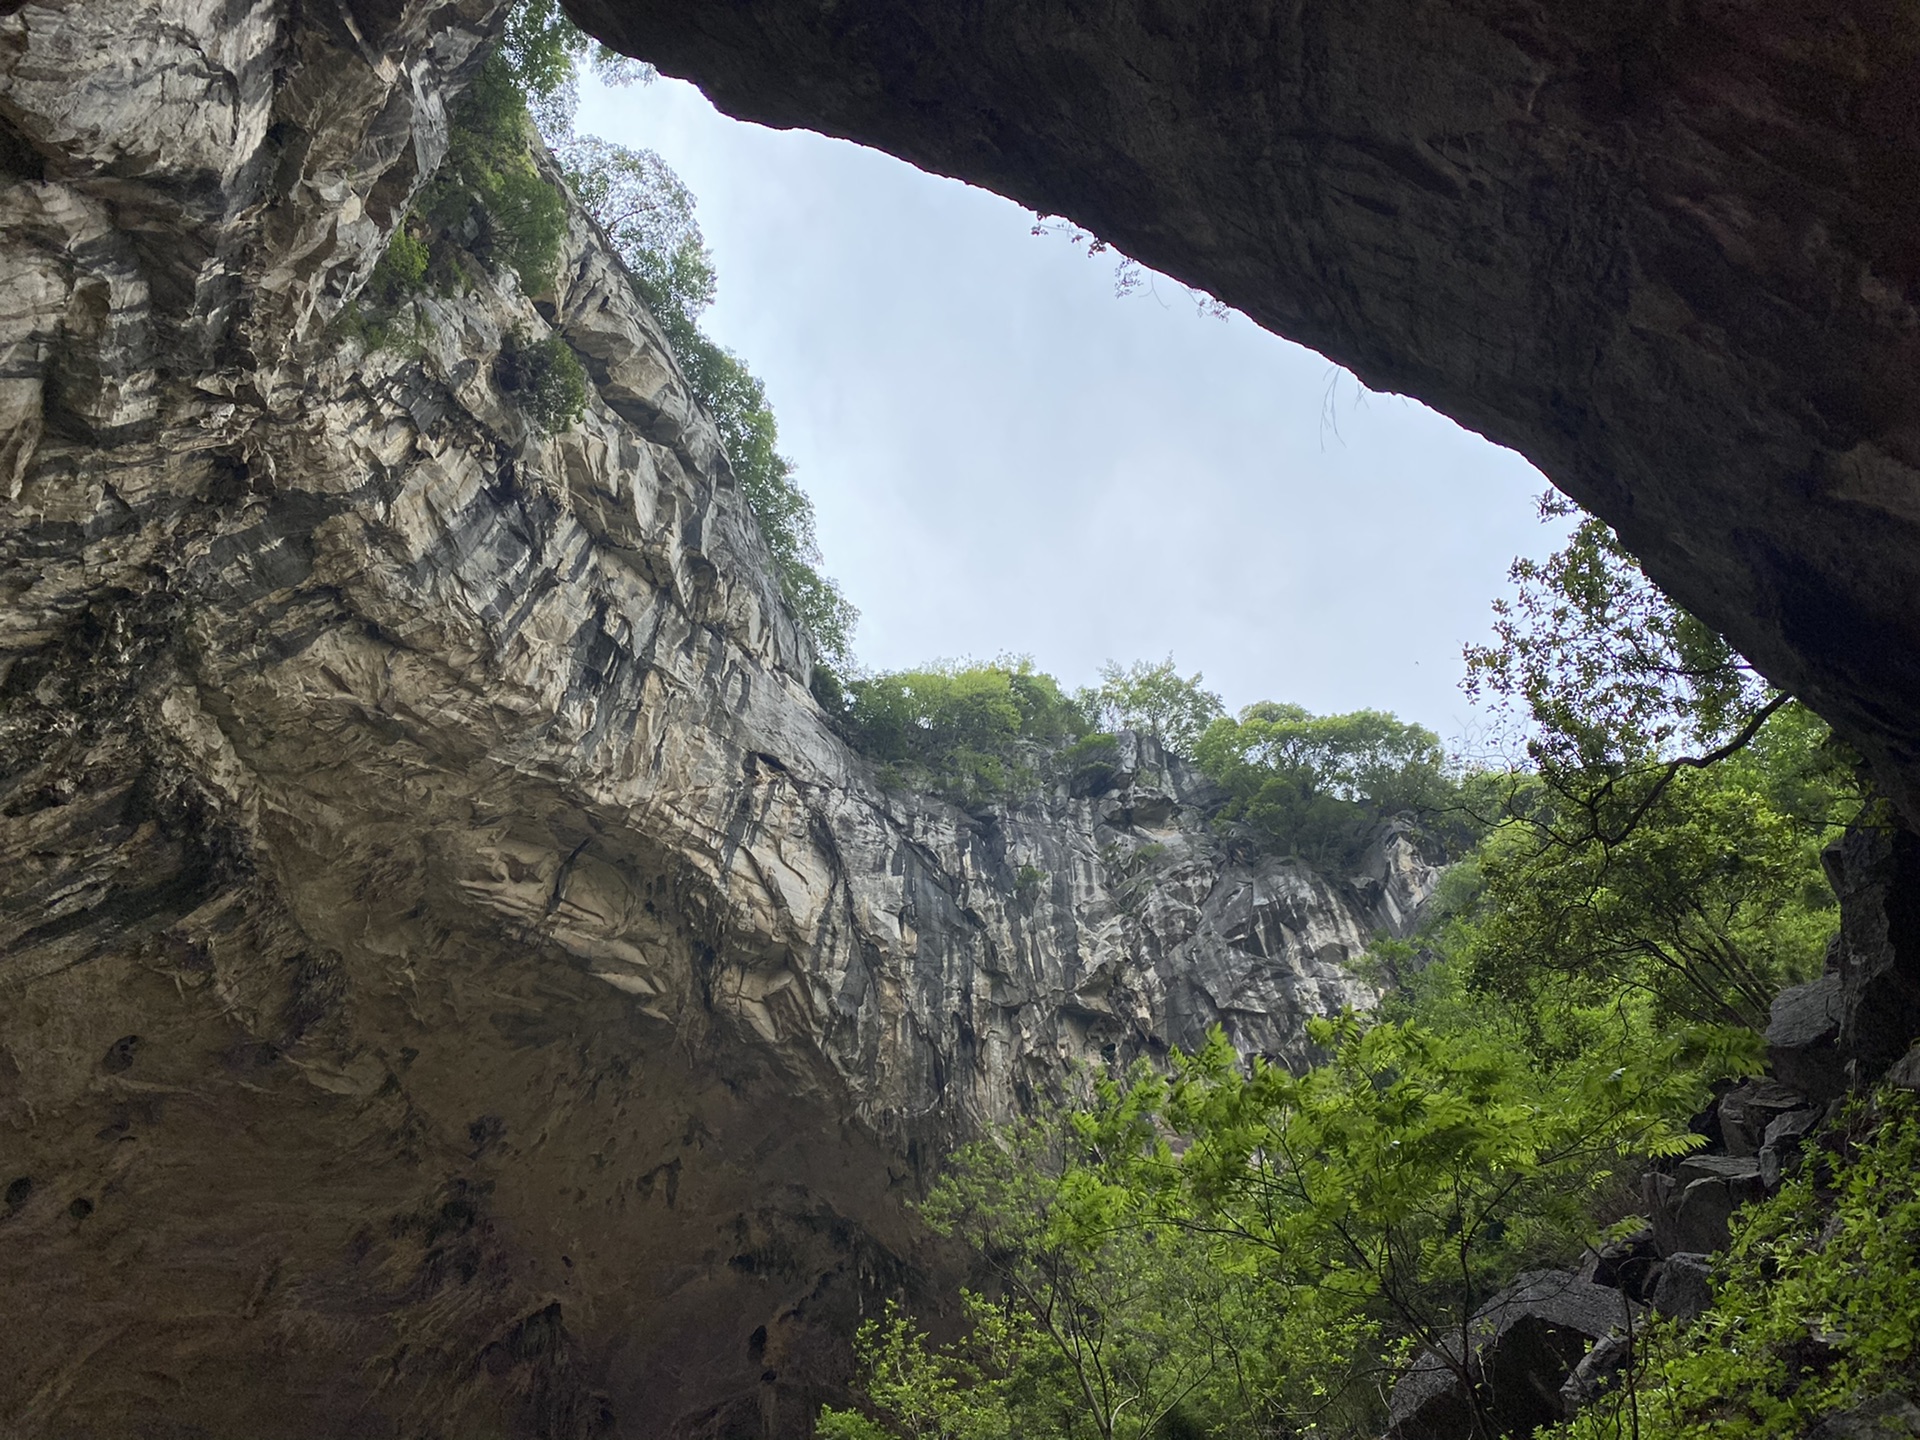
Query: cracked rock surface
453	980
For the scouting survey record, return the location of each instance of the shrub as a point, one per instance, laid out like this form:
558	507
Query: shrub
401	270
548	378
489	185
1155	700
1317	785
1816	1305
967	731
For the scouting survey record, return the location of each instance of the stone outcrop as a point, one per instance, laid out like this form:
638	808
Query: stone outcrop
453	978
1520	1351
1666	252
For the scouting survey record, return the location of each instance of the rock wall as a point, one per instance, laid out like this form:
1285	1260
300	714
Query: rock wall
453	980
1666	251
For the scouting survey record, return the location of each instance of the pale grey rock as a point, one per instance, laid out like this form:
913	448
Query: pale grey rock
1803	1035
453	977
1596	1373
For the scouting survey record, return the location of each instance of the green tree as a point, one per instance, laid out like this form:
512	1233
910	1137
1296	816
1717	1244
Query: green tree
1104	1322
1316	785
1393	1188
1154	699
1665	833
972	732
1708	905
1621	690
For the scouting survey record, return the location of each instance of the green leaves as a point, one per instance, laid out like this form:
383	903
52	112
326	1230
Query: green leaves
1706	907
1316	785
971	732
1610	671
1816	1305
1153	699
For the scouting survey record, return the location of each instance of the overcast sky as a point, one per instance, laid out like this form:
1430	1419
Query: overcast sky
1007	458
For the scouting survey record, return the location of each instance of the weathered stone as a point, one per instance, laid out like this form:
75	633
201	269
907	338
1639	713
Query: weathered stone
1783	1139
1664	254
1803	1038
1685	1287
1521	1348
1876	873
1596	1373
1705	1192
1626	1265
1747	1111
1890	1417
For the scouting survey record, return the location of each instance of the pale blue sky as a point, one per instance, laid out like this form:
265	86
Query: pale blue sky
1007	458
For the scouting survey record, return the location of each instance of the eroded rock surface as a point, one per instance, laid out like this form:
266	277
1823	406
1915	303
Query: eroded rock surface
1667	252
453	980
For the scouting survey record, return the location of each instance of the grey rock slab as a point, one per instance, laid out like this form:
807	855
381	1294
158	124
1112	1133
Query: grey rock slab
1803	1037
1684	1290
1522	1347
1889	1417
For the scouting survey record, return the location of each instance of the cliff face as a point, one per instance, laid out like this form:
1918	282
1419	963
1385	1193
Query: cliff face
454	979
1666	251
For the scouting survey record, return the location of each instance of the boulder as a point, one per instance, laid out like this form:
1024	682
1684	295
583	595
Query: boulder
1685	1288
1782	1143
1890	1417
1803	1038
1747	1110
1523	1346
1595	1374
1693	1207
1627	1264
1875	871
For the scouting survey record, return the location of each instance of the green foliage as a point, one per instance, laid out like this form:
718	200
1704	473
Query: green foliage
1104	1323
1317	785
548	377
971	732
1092	763
401	270
489	185
647	214
1610	671
1241	1251
1712	902
1153	699
1816	1305
1666	835
1391	1189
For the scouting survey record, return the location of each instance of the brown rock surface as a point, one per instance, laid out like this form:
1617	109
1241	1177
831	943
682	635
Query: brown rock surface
1668	252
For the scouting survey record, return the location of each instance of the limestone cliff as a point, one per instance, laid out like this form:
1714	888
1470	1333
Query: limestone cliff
455	980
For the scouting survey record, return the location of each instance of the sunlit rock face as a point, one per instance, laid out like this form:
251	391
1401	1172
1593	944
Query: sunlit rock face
453	980
1667	252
